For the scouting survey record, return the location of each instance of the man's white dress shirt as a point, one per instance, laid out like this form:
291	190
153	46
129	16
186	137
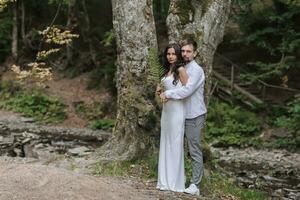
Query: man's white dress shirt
192	92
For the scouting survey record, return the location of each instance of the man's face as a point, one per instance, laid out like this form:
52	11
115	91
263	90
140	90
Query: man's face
188	53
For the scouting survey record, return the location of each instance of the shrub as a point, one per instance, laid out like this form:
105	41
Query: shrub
103	124
225	120
32	104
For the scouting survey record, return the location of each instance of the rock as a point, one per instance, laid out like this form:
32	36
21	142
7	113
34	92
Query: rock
26	140
27	120
28	151
79	151
278	192
7	140
267	170
245	181
270	178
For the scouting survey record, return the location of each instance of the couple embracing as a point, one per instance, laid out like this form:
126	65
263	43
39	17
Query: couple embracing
183	113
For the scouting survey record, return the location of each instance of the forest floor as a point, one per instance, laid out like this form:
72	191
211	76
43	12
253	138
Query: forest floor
70	91
23	179
35	181
26	179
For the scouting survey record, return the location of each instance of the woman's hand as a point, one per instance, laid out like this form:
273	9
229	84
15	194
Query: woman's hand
163	97
159	90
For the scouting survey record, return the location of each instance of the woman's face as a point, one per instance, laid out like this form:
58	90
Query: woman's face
171	56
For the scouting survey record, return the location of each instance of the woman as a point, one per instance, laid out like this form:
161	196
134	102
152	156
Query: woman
171	158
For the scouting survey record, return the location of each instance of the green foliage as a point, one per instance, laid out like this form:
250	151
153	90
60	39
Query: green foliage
232	126
272	27
59	1
144	168
104	76
205	6
94	113
91	112
108	38
291	116
4	4
103	124
231	122
155	69
33	104
220	184
185	10
117	169
5	31
286	143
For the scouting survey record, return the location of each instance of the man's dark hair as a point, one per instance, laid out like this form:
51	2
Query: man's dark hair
189	41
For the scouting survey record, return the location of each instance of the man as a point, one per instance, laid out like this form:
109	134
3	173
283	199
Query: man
192	94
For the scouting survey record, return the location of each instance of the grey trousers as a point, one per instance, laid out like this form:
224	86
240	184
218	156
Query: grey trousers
193	135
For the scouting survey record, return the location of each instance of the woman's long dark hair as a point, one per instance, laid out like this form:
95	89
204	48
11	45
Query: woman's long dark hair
178	63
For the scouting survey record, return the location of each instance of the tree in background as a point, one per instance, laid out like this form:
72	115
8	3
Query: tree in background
5	32
204	21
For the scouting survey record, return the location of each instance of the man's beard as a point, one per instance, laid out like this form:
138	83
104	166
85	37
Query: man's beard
186	61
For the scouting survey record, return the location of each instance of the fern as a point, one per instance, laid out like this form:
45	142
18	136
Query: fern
155	69
155	73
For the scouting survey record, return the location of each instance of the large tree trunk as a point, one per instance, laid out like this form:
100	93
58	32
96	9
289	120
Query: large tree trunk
136	121
14	45
205	22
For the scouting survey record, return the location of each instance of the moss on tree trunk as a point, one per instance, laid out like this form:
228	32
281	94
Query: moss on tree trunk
137	121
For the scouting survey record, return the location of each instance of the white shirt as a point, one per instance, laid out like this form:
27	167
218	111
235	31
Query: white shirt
192	92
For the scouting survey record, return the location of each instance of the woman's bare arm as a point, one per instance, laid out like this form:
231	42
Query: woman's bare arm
183	77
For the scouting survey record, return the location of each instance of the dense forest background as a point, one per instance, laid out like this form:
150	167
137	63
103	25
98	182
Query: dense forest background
261	40
59	64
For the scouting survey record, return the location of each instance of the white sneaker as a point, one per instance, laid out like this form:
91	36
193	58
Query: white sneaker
193	190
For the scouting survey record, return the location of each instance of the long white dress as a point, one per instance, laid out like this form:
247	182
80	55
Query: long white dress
171	152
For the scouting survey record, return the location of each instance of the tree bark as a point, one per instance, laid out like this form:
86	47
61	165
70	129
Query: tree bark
204	21
71	25
136	122
23	33
14	45
86	35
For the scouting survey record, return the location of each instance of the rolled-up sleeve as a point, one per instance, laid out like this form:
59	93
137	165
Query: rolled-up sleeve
196	78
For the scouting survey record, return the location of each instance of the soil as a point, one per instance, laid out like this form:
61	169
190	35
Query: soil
24	179
71	91
36	181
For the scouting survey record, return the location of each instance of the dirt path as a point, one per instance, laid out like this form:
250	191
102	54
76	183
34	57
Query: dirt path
36	181
23	180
